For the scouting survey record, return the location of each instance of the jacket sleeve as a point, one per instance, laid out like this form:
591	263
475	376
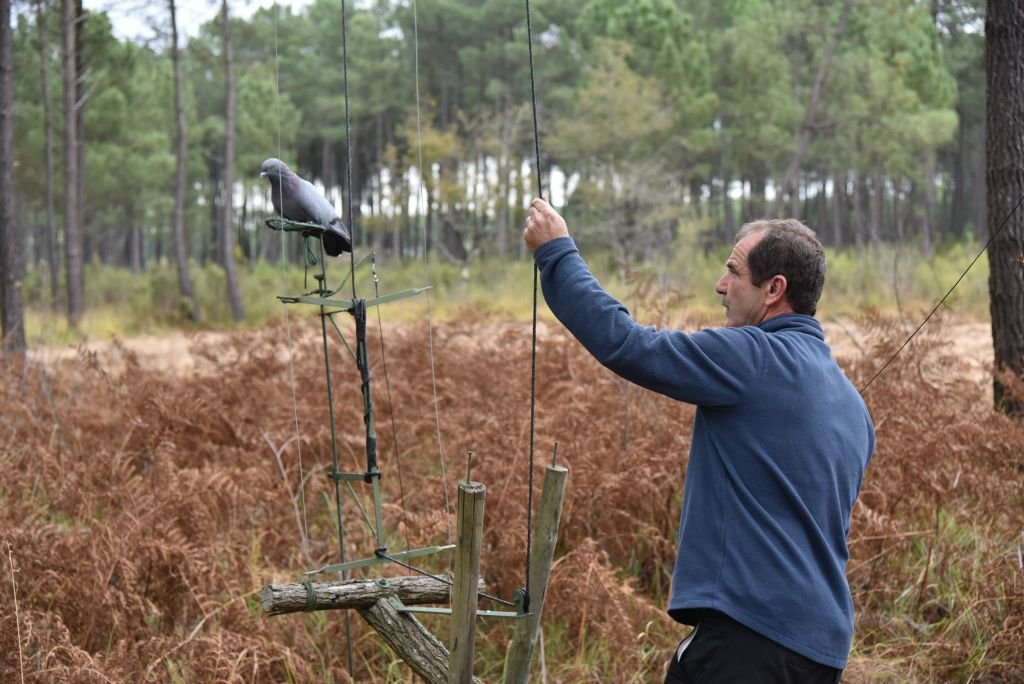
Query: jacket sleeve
712	368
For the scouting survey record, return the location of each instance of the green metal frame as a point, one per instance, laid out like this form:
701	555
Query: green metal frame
519	599
330	305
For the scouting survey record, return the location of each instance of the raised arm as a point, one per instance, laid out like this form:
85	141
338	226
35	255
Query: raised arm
714	368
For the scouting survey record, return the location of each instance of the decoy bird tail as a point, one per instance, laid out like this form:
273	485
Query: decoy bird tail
337	242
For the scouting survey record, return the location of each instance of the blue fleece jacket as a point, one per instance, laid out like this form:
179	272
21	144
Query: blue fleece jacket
780	442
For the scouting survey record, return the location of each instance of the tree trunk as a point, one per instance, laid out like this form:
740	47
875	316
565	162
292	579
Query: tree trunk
822	208
502	210
181	138
875	219
728	214
327	166
50	235
81	94
959	213
227	224
757	205
838	209
73	236
398	211
898	210
796	197
378	180
696	193
928	214
270	248
810	119
248	241
1004	145
859	222
135	248
11	315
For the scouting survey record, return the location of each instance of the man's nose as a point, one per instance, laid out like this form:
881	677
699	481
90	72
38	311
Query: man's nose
720	287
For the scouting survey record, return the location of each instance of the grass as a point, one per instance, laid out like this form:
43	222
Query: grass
119	303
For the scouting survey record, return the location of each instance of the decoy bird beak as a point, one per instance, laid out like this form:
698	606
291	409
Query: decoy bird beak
262	174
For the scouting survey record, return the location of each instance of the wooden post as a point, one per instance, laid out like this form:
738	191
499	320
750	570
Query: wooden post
467	575
520	649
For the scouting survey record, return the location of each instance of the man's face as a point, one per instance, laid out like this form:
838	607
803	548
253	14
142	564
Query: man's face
744	303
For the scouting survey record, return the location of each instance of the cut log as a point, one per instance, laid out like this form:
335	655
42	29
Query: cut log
278	599
410	641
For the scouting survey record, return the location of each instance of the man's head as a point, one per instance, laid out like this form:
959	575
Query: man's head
776	267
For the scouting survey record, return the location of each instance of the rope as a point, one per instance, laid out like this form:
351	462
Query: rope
945	296
348	153
426	276
352	260
287	326
277	103
298	439
310	597
391	404
533	338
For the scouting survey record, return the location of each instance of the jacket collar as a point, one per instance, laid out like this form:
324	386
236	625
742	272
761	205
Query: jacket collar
800	323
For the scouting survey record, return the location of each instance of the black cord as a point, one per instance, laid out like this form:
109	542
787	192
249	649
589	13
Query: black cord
348	152
533	345
352	251
945	296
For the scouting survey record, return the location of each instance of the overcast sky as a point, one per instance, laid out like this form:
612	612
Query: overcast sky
136	19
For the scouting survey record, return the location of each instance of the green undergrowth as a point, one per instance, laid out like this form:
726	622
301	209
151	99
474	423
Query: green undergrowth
943	598
120	303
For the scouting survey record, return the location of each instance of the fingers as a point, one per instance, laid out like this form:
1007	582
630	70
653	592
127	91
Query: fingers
537	213
541	206
543	224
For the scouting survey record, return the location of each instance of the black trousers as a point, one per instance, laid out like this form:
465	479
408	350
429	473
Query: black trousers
725	652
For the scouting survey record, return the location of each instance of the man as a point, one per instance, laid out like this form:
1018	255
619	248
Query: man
780	442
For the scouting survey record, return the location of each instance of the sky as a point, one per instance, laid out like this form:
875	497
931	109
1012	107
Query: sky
137	19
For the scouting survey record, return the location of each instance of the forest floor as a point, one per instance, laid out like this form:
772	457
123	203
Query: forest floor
143	505
970	341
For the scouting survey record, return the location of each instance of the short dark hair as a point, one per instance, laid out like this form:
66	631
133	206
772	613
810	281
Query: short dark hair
792	250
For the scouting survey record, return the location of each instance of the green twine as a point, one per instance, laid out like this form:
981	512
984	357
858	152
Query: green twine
310	256
310	597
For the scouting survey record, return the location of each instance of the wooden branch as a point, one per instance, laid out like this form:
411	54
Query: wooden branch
410	641
278	599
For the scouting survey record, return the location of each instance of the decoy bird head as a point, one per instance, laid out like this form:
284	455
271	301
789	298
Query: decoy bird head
274	169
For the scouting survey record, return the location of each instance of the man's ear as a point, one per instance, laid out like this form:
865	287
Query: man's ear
776	292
